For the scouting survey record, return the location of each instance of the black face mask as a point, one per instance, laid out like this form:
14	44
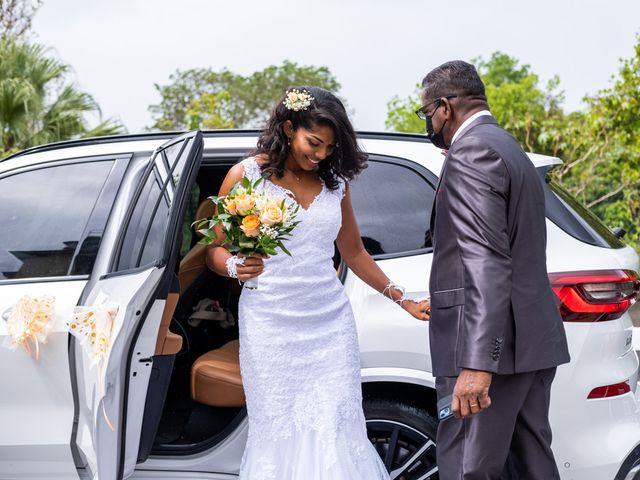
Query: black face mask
436	138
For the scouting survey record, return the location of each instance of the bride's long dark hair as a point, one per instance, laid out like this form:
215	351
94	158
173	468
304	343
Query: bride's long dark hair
347	159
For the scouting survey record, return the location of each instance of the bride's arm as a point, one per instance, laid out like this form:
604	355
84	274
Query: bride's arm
360	262
217	256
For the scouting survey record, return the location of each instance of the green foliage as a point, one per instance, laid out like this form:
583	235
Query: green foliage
601	148
528	112
37	105
222	99
401	116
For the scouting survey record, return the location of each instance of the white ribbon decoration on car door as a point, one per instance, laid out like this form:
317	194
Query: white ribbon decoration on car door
92	326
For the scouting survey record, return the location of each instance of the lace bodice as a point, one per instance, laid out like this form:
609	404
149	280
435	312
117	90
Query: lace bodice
312	242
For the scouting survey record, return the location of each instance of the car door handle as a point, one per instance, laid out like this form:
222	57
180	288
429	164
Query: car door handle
6	313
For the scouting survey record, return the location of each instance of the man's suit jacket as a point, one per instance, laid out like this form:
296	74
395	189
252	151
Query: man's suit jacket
492	307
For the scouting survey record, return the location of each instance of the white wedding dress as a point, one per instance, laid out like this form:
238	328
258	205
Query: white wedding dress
299	358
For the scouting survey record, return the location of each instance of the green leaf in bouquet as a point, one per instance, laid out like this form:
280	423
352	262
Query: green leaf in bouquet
206	241
246	183
215	199
197	224
233	190
246	242
283	248
269	251
223	216
257	182
205	232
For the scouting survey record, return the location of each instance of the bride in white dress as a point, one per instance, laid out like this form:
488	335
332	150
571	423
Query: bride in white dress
299	354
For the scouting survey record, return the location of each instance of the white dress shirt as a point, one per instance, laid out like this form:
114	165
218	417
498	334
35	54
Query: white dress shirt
466	123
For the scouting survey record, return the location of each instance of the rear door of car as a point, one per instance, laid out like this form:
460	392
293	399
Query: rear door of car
392	200
135	285
52	217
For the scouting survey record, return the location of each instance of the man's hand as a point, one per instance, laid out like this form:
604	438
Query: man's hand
471	393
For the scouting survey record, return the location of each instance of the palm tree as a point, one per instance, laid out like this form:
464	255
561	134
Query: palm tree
37	104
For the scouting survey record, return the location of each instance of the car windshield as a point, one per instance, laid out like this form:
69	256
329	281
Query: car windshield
572	217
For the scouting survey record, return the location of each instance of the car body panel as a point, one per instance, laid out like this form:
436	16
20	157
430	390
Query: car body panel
101	406
36	404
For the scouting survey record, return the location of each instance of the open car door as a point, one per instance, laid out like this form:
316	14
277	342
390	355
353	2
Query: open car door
131	294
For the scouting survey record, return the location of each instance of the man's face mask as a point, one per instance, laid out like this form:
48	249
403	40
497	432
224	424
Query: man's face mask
436	138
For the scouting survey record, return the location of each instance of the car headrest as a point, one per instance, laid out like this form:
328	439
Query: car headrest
205	209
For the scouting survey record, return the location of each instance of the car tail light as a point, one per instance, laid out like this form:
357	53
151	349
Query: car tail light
610	390
594	296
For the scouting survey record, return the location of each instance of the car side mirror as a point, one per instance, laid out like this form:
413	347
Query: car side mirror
619	232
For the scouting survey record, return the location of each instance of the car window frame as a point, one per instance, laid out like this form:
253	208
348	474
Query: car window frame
151	169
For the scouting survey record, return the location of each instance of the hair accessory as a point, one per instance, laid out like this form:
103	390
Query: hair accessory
297	100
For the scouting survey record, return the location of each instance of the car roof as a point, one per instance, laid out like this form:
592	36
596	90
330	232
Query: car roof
415	147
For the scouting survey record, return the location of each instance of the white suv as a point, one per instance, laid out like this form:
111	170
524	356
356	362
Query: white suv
106	221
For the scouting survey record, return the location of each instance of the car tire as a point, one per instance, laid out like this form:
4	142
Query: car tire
404	436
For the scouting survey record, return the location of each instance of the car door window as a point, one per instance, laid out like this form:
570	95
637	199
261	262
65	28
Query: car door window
144	238
43	214
392	202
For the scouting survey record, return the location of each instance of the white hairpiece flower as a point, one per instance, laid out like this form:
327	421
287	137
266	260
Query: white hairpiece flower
297	100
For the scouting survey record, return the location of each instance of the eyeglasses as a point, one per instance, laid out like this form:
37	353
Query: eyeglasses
422	111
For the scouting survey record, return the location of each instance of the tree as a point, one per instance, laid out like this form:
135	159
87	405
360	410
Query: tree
37	105
229	100
16	17
401	115
601	148
530	113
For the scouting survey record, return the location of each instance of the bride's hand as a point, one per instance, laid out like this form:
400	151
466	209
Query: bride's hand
252	267
420	309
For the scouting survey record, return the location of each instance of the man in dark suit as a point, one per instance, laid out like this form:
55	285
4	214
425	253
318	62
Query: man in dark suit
496	335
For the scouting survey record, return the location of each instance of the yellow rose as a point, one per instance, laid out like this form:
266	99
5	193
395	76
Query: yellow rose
251	225
230	206
244	203
271	214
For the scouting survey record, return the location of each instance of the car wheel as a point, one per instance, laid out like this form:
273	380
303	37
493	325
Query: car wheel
404	437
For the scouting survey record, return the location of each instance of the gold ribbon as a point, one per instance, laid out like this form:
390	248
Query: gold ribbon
92	326
29	323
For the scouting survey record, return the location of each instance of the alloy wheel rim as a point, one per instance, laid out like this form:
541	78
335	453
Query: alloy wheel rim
407	453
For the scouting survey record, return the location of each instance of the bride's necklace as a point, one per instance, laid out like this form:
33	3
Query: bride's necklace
297	177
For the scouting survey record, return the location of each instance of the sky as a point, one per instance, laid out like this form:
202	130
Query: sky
118	49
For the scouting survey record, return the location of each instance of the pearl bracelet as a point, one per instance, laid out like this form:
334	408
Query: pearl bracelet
232	265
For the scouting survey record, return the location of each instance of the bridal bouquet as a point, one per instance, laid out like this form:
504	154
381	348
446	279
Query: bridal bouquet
252	222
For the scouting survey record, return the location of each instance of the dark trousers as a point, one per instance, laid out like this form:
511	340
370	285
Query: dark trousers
509	440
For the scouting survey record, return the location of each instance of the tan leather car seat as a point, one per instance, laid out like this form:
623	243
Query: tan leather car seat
193	262
167	342
215	377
